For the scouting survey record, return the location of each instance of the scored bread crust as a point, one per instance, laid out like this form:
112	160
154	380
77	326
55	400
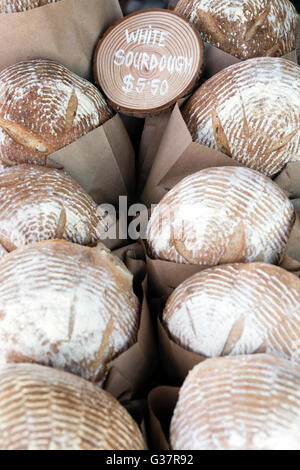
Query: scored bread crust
239	403
221	215
46	409
44	107
251	112
244	28
66	306
17	6
237	309
39	203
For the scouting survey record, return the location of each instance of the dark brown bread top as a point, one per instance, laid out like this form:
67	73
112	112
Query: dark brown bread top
17	6
44	107
244	28
46	409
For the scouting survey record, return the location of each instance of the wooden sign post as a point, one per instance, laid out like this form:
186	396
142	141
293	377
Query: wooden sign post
147	61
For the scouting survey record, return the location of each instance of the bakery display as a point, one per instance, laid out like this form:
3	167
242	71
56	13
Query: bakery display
244	28
17	6
239	403
44	107
237	309
221	215
66	306
39	203
47	409
251	112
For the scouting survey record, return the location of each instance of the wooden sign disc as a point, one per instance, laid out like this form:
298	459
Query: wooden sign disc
147	61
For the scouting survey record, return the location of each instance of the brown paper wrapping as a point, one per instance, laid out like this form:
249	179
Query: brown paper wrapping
217	60
67	32
102	162
161	404
130	375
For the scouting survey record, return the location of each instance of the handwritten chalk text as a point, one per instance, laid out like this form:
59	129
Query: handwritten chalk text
147	36
143	61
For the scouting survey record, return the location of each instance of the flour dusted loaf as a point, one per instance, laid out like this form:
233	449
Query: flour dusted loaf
17	6
239	403
44	107
221	215
47	409
66	306
244	28
237	309
251	112
39	203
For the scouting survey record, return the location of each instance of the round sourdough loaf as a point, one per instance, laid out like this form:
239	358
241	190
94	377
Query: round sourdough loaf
39	203
66	306
244	28
237	309
17	6
221	215
239	403
44	107
251	112
47	409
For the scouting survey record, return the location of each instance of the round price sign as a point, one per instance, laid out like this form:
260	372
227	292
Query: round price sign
147	61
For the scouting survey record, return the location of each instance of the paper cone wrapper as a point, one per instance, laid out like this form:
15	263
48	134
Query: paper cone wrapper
130	375
66	31
102	162
161	404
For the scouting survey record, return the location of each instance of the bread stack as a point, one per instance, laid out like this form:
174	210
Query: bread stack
67	302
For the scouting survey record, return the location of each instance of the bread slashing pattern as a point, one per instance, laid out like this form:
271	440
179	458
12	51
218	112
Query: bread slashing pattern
221	215
243	112
239	403
244	28
38	203
44	107
237	309
66	306
47	409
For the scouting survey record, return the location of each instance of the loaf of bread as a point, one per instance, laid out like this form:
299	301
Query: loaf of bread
39	203
221	215
47	409
17	6
244	28
239	403
251	112
66	306
237	309
44	107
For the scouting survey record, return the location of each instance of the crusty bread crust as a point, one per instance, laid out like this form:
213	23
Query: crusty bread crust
221	215
239	403
237	309
66	306
39	203
44	107
251	112
244	28
46	409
